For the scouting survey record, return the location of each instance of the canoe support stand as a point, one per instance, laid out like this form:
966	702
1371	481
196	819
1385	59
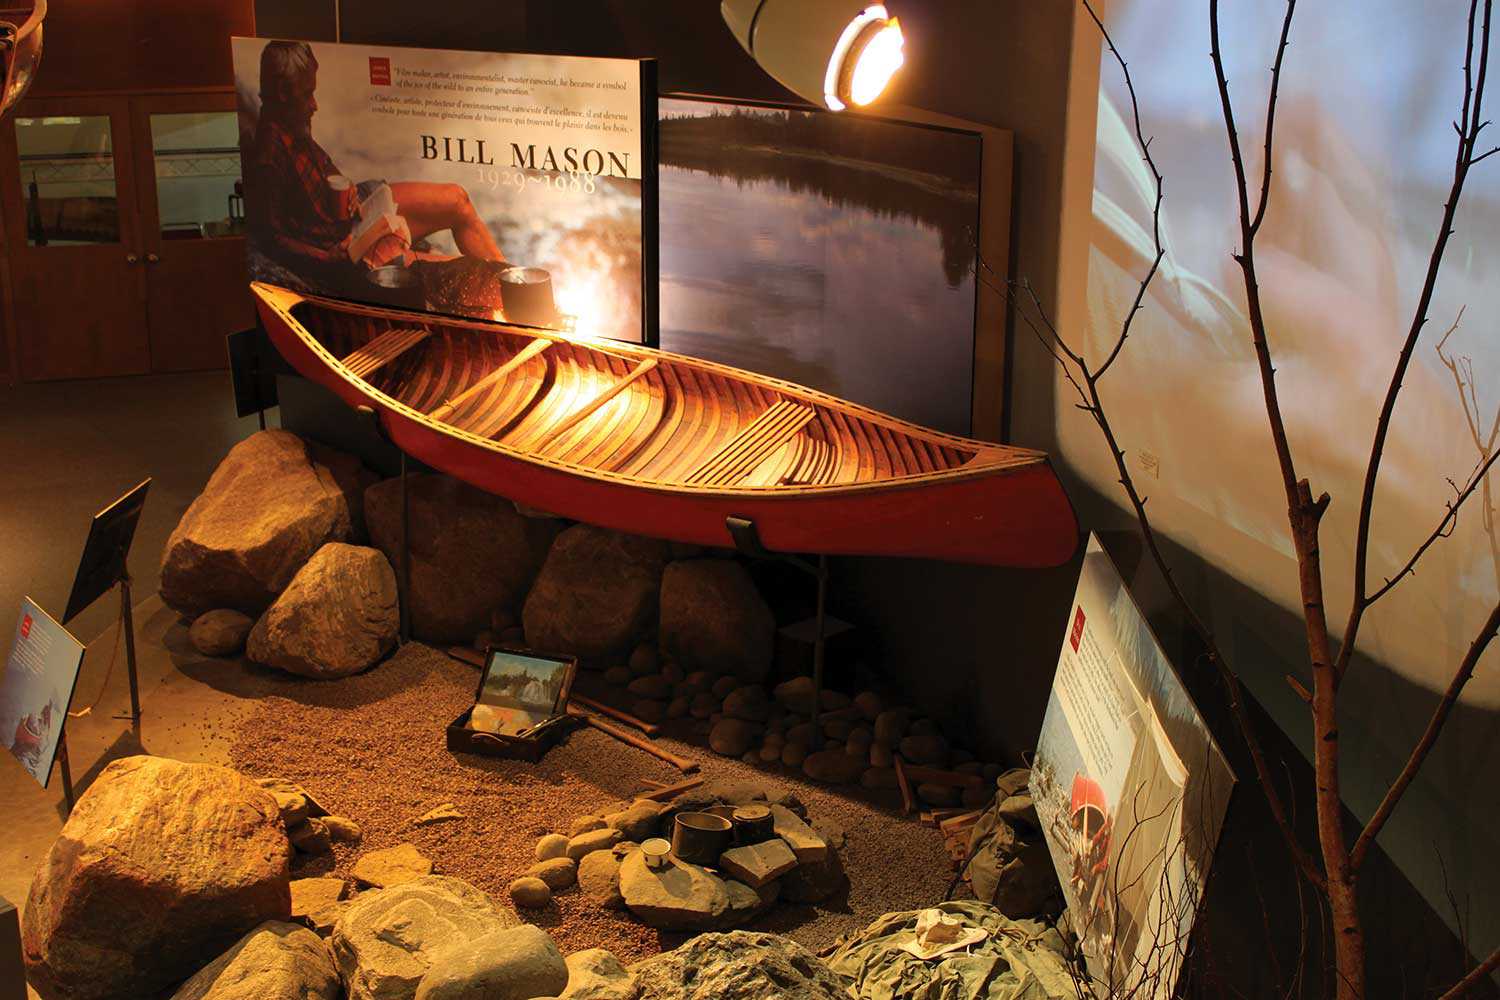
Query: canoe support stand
747	540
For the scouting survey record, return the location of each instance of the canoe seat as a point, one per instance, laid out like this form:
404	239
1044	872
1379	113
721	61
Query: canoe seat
384	349
753	445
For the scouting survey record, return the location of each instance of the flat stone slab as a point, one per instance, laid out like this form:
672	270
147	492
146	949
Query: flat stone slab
392	866
758	864
312	894
805	842
678	897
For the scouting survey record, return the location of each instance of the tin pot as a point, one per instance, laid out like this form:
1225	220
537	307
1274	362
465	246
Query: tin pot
397	287
526	296
699	837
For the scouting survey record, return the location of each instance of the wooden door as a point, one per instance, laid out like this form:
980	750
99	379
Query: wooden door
193	244
71	223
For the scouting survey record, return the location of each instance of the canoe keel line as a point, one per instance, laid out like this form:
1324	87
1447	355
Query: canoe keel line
658	444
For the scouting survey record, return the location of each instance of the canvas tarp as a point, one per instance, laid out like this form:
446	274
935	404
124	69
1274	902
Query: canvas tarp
1017	960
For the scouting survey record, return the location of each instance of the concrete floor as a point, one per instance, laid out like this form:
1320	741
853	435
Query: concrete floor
73	447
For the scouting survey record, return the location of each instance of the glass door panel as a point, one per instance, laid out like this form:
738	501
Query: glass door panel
67	166
197	167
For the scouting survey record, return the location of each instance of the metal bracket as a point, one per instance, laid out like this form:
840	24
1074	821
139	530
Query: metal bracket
747	541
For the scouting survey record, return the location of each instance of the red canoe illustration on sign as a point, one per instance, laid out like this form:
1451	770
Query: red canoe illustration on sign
659	444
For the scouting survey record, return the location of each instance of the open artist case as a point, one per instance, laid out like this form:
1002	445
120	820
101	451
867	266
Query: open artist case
505	669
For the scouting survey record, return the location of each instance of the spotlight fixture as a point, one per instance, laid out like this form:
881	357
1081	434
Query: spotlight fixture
20	54
835	53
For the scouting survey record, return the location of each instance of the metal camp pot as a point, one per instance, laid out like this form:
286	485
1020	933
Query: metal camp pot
699	837
526	296
397	287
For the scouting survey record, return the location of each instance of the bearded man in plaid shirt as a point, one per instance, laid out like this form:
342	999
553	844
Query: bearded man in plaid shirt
300	218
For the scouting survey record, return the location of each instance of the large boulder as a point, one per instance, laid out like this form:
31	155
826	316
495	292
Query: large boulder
338	616
518	963
160	865
678	897
739	965
221	632
272	502
386	940
470	552
276	961
597	593
713	618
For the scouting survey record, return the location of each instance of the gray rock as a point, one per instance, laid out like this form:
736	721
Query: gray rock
793	754
530	892
713	618
637	823
311	836
471	552
392	866
596	594
796	695
678	897
925	748
343	829
221	632
594	840
558	873
703	705
312	894
321	920
745	903
292	800
385	942
599	878
644	660
749	703
595	974
270	504
869	705
833	767
724	686
738	965
337	617
583	824
806	843
275	961
153	837
815	881
517	963
890	726
652	686
734	737
553	845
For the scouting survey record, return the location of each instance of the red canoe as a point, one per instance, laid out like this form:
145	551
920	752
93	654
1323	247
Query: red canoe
659	444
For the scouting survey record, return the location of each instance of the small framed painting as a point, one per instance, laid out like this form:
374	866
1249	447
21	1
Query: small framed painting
521	706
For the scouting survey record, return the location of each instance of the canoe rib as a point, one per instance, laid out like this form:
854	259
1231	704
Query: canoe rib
522	356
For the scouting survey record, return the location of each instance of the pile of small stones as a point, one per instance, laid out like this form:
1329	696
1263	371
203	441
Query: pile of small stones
601	854
856	740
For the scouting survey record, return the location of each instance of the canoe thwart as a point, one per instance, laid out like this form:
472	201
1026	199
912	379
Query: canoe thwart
522	356
759	439
384	349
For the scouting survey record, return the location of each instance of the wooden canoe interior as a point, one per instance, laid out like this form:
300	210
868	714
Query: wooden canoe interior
653	419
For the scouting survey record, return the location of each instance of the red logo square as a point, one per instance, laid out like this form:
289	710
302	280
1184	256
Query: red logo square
1076	635
26	627
380	71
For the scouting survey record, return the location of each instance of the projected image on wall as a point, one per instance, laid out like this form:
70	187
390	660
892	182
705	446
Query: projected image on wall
1364	159
830	250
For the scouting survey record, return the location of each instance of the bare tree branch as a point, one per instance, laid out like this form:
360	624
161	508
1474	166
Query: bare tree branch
1476	975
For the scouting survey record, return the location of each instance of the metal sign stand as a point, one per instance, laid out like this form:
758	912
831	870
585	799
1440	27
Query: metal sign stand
127	625
67	771
747	540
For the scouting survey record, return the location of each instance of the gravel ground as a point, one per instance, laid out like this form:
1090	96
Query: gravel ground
371	748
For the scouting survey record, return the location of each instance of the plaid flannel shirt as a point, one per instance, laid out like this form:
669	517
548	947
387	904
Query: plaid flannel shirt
290	183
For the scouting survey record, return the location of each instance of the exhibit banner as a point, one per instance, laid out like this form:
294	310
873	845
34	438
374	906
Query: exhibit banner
1130	789
438	180
37	688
